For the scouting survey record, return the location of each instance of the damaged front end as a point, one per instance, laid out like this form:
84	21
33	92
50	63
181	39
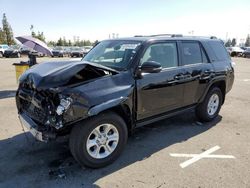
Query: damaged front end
48	102
44	109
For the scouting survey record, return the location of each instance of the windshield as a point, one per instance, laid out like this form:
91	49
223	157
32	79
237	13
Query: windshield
115	54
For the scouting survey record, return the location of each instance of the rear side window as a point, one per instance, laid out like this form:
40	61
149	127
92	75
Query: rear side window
219	50
192	53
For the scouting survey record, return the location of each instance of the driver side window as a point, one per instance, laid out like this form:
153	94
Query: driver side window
163	53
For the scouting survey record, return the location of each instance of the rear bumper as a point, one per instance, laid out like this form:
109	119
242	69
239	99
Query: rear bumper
34	129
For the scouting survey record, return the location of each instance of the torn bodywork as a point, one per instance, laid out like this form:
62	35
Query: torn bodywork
56	95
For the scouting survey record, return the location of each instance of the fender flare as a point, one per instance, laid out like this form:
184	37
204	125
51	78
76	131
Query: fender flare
217	79
106	105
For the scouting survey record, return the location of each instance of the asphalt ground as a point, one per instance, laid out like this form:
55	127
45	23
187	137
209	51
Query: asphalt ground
219	150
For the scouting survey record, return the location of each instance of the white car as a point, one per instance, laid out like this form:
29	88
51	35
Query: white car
3	47
235	51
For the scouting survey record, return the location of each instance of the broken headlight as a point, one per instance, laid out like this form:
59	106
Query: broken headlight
64	105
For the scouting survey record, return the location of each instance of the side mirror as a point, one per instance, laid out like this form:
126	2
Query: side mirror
151	67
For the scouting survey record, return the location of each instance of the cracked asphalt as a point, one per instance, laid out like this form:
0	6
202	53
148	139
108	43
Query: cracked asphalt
146	161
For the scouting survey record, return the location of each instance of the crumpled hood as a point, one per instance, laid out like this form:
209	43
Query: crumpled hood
55	74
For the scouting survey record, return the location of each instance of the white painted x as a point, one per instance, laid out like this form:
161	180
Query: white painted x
197	157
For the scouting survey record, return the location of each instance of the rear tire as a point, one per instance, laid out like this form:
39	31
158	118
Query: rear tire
210	107
104	150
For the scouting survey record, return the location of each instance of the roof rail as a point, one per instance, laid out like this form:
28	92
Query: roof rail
208	37
170	35
160	35
176	35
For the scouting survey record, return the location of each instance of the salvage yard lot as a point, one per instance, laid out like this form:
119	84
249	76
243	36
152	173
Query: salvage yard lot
146	161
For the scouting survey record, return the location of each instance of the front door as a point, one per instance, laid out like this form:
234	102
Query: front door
161	92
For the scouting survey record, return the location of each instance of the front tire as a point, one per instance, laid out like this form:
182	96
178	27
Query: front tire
210	107
98	141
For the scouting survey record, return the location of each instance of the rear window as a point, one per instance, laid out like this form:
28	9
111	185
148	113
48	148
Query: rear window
219	50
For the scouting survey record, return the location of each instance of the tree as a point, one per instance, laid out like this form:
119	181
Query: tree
64	42
69	43
59	42
39	34
52	43
247	43
1	36
234	42
7	33
228	43
95	43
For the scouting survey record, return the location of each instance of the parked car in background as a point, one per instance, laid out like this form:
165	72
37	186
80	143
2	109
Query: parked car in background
58	52
12	51
87	49
77	52
67	51
3	47
235	51
25	50
246	52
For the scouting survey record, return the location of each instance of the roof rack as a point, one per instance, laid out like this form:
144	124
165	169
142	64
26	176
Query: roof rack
160	35
207	37
176	35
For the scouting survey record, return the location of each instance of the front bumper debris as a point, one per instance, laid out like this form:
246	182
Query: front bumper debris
34	128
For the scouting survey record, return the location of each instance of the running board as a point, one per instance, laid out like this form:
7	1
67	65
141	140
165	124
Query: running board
163	116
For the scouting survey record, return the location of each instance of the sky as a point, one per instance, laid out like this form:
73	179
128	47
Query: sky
97	19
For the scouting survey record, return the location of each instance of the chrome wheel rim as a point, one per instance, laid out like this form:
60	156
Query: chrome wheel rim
213	104
102	141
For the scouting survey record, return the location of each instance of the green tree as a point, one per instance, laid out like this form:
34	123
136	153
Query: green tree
52	43
95	43
64	42
39	35
69	43
234	42
7	33
87	43
59	42
1	36
228	43
247	43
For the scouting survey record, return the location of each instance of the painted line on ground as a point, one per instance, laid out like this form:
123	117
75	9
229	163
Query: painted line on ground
197	157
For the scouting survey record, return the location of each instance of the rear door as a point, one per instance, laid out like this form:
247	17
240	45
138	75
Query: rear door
197	71
160	92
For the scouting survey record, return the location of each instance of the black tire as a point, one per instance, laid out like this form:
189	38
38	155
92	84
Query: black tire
80	133
202	108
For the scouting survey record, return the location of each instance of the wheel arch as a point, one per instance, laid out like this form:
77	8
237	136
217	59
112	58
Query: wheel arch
118	106
221	84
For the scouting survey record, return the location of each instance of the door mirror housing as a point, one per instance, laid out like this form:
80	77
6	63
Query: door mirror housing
151	67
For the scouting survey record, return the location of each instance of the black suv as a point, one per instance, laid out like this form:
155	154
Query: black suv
119	85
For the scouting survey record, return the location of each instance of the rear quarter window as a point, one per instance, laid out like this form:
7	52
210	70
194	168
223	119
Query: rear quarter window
219	50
